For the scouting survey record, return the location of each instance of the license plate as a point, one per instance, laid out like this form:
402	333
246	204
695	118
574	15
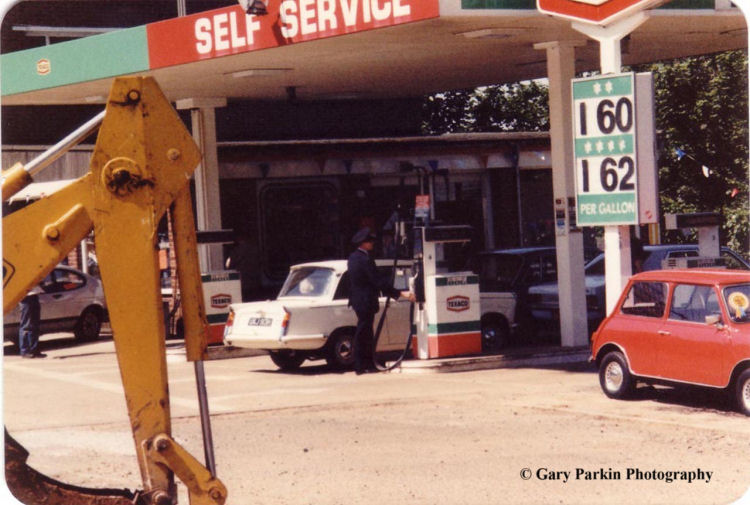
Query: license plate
259	321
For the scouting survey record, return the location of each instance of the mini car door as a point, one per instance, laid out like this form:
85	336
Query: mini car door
690	349
636	329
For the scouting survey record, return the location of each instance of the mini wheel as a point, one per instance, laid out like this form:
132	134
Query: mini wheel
288	360
742	392
614	376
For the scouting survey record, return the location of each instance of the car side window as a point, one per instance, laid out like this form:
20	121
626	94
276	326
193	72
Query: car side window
343	289
692	303
645	299
68	281
732	261
548	268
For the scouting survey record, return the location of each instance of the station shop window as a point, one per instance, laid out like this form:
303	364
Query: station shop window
299	223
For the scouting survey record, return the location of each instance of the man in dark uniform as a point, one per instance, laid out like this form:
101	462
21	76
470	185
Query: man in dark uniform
366	287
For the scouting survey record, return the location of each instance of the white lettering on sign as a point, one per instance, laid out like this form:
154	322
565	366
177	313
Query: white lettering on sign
224	31
307	17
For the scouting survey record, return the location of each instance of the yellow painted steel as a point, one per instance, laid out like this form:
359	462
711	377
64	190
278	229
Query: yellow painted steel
14	180
142	162
189	276
29	253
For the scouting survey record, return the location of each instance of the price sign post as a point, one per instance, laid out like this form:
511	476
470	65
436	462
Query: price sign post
605	150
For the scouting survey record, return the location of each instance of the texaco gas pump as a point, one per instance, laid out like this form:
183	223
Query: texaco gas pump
447	313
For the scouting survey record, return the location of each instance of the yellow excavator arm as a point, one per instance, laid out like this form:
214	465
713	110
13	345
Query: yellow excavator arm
141	167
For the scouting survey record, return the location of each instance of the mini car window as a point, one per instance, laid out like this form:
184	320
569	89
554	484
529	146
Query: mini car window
645	299
738	302
691	303
307	282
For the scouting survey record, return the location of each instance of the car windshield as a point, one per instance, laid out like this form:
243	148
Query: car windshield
307	281
738	302
499	271
595	266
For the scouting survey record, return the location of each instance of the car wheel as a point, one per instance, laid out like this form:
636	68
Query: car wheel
288	359
742	392
88	326
340	350
495	336
614	376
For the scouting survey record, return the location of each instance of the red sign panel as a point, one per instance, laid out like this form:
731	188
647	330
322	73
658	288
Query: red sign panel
229	30
596	11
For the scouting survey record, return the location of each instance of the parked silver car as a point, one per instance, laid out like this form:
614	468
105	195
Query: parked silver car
543	298
70	301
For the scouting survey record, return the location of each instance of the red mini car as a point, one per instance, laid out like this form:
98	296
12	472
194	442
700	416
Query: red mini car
678	326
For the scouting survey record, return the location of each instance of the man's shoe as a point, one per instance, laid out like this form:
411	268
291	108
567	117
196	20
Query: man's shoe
35	354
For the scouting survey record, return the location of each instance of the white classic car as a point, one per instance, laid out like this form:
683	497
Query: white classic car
311	319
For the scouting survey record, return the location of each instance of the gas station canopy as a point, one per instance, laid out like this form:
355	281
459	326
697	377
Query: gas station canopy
347	49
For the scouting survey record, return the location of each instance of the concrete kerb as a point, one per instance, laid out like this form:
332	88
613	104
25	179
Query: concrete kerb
512	359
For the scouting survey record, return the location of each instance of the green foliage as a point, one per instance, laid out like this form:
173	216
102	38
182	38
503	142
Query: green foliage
701	109
507	107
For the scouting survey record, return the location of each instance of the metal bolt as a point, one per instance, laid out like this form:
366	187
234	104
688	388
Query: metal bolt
215	494
162	444
161	498
52	233
134	95
173	154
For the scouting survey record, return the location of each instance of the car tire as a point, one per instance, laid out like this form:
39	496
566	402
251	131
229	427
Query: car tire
495	335
288	360
615	377
88	326
742	392
340	349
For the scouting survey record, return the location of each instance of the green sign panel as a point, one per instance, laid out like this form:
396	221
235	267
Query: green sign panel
605	150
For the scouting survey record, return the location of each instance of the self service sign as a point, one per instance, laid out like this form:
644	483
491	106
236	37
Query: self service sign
605	150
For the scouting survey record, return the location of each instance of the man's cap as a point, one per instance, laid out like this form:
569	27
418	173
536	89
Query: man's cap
363	235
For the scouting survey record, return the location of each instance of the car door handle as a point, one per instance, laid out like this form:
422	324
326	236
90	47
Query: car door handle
57	297
663	332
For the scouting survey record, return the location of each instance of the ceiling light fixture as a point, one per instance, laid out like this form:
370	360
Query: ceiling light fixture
254	7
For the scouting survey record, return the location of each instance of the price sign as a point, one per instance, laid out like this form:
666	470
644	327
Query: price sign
605	150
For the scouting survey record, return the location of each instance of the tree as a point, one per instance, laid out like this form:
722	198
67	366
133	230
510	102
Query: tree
507	107
702	126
